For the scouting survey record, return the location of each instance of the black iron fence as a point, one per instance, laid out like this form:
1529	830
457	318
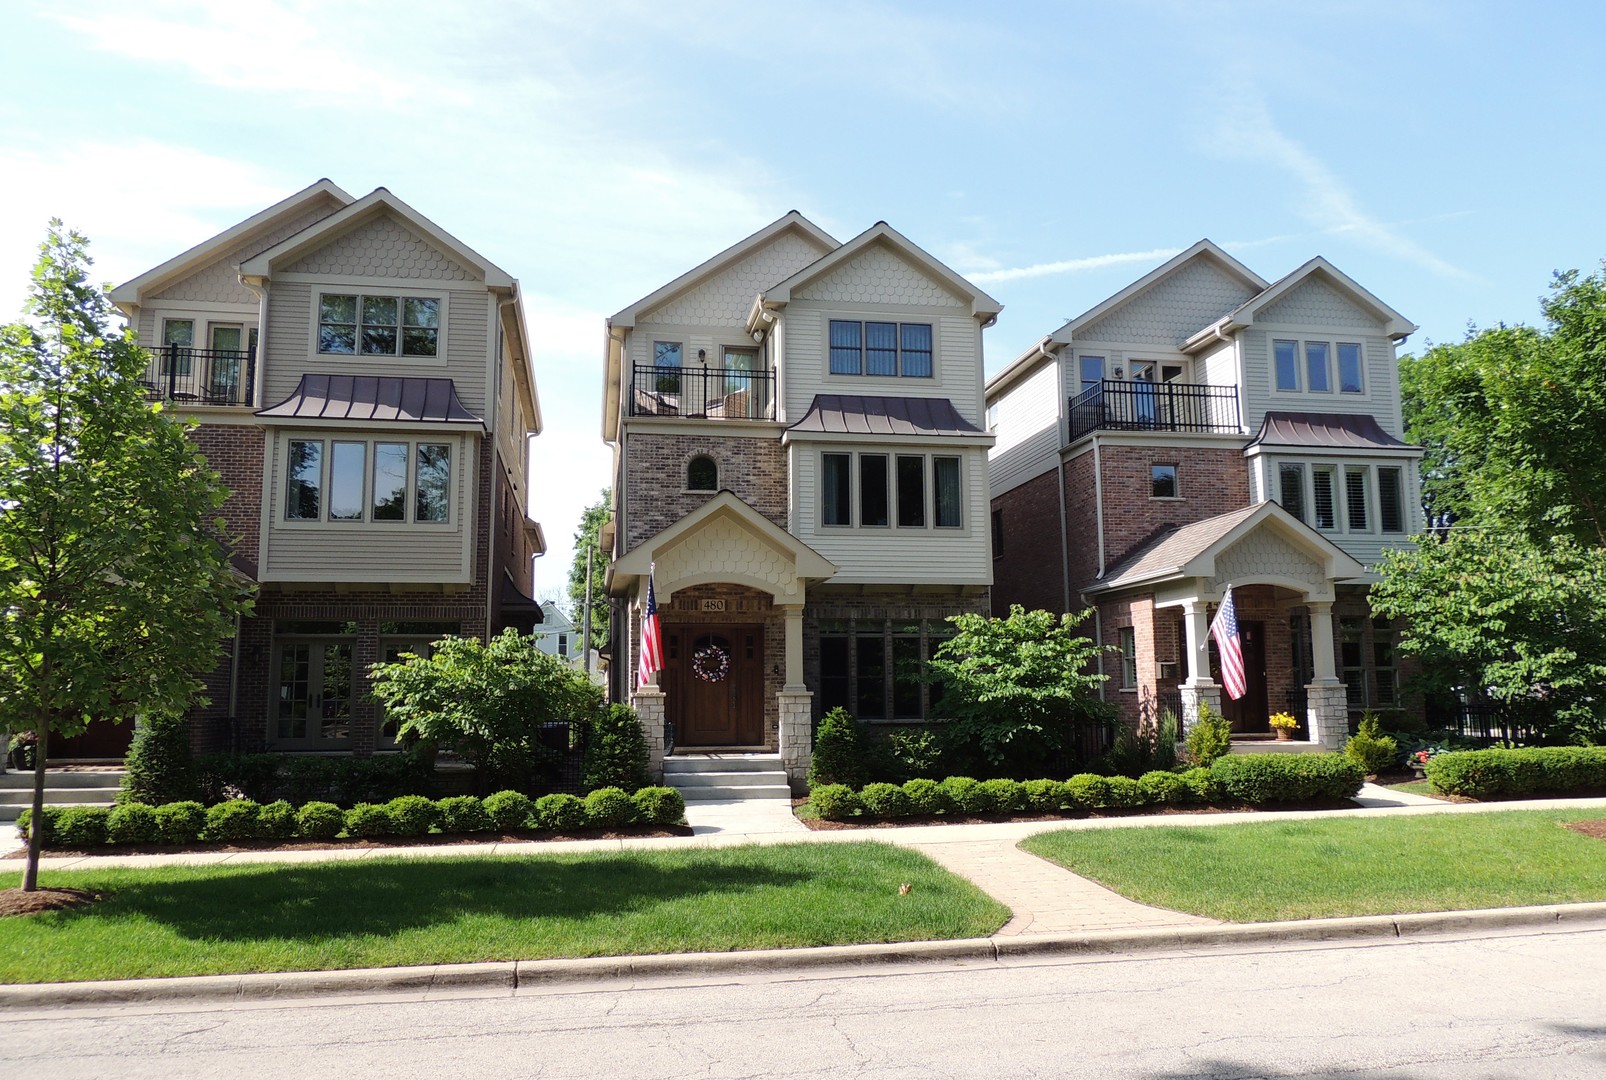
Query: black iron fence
1117	405
702	393
1481	719
183	375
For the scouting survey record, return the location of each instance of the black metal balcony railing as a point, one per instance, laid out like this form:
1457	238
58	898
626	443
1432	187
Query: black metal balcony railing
189	376
1116	405
702	393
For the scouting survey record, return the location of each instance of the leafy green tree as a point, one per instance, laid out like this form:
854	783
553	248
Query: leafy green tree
1016	687
114	581
1497	615
588	538
486	702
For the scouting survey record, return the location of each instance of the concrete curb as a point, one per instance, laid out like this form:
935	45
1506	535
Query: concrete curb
509	976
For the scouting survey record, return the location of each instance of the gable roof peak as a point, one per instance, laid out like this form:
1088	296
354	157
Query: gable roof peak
1204	248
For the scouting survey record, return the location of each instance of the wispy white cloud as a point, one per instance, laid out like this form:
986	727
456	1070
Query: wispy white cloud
1071	266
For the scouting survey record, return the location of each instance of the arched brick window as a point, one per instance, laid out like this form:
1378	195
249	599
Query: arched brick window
702	474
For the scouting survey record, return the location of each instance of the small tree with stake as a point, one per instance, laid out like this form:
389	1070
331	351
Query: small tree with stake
114	581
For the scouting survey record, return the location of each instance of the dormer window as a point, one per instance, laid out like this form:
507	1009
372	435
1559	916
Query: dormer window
378	325
702	474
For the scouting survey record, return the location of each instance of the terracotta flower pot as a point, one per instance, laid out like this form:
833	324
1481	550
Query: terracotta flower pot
1284	734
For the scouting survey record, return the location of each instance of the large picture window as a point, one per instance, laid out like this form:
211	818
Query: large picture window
356	323
876	668
911	491
881	348
1308	366
352	481
1347	498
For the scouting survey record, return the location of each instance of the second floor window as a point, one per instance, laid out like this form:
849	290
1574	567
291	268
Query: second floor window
881	348
909	490
355	480
353	323
1308	366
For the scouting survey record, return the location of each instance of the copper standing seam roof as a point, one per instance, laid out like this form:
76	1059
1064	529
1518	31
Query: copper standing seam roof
374	397
851	414
1341	431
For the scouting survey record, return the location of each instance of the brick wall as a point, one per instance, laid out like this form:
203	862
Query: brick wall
655	478
235	452
1028	567
1209	482
1081	523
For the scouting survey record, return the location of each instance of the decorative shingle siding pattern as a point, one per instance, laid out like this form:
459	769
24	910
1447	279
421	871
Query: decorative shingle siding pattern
219	282
383	247
725	298
754	470
1315	303
1263	552
1173	309
879	276
727	550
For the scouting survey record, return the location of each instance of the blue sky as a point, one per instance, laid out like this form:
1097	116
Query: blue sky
1448	156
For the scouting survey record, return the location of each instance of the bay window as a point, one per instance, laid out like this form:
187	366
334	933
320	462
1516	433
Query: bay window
357	480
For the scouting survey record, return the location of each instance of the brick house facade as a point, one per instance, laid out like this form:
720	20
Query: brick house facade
360	379
1204	429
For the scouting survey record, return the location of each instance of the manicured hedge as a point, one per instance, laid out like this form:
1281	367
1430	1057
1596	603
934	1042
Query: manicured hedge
1256	779
1493	774
406	815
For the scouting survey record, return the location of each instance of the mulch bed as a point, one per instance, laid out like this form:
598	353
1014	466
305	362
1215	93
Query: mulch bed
1138	811
433	840
17	902
1595	827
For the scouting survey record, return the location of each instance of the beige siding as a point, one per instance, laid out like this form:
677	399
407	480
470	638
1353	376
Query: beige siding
892	555
956	365
367	551
382	246
724	299
1028	430
1218	365
1381	396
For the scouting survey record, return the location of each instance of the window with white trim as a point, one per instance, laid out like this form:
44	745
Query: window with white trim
368	325
881	348
1353	498
909	491
372	480
1129	658
1307	366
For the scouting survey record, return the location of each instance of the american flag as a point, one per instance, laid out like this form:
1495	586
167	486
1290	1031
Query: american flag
1224	628
652	639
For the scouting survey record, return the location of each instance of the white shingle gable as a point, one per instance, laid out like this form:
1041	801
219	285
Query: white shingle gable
879	275
1315	303
724	299
1173	309
383	247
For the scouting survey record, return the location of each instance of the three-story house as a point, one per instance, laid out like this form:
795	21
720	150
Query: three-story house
800	465
1203	429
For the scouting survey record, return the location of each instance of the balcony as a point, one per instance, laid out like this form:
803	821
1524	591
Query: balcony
1117	405
187	376
702	393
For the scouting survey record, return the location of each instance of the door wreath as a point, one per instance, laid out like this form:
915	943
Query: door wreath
711	663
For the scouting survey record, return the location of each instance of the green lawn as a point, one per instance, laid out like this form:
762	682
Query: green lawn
318	916
1268	871
1416	787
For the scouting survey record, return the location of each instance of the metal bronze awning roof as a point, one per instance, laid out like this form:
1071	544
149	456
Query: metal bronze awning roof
851	414
386	398
1333	431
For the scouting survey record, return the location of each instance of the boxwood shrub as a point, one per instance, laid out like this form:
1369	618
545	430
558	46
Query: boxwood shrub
278	821
133	823
1087	792
1042	795
320	821
1492	774
835	802
927	798
368	820
412	815
1201	785
1274	778
181	822
464	814
81	826
885	801
560	813
1162	788
25	822
609	808
659	806
957	788
1124	791
509	809
237	819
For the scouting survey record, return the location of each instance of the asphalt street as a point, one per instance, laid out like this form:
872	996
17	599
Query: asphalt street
1513	1006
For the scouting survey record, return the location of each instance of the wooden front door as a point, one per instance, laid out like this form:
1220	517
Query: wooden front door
1249	713
714	684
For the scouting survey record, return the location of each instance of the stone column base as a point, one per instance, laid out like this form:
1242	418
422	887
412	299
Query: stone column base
649	705
1192	697
1327	713
796	735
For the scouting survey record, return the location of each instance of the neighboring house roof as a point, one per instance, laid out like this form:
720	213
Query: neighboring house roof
882	233
1189	551
1339	431
554	618
131	291
376	202
851	414
1397	326
386	398
1040	351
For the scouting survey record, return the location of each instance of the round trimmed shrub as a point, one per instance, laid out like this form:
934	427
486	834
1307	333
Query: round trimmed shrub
412	815
181	822
1200	786
659	806
368	820
237	819
1124	791
609	808
509	809
277	821
885	801
1042	795
1162	788
928	798
320	821
81	826
560	813
835	802
52	814
958	789
133	823
1000	796
464	814
1087	791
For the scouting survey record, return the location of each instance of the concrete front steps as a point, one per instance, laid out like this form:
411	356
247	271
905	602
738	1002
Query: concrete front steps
726	776
63	787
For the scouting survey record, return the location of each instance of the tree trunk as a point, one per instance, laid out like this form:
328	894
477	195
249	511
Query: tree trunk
36	827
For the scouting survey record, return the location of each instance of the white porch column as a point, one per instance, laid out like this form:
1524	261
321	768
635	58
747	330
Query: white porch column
1326	699
1197	689
794	646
